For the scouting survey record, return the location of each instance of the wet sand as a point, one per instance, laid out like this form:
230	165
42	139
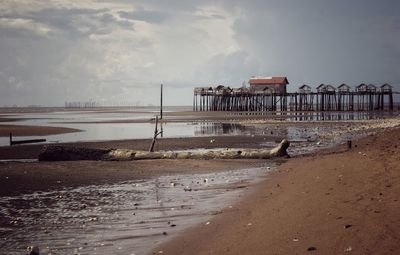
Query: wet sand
20	178
342	202
32	151
26	130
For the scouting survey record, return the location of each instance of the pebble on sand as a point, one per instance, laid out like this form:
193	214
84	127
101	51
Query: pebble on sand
34	250
311	248
348	249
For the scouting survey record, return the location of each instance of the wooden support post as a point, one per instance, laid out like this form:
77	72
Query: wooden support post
161	102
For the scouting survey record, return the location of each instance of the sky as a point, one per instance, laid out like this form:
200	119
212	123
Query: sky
120	51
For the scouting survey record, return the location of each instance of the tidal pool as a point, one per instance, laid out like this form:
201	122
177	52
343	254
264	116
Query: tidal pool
125	218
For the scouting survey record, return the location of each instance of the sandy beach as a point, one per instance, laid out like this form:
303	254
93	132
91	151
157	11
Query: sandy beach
342	202
332	201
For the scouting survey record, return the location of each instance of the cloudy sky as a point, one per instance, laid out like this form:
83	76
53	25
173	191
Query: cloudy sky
52	51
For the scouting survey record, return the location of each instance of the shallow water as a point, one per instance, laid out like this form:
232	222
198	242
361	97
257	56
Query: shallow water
118	131
125	218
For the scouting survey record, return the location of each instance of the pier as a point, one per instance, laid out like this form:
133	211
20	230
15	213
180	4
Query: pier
326	98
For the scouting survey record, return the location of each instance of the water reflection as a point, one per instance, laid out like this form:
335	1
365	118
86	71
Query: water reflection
126	218
335	116
215	129
314	116
117	131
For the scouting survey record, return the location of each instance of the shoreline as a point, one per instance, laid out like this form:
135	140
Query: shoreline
344	201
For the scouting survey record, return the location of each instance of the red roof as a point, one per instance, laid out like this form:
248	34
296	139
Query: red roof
268	80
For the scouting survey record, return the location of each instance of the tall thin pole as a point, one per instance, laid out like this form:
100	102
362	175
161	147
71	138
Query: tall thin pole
161	103
155	136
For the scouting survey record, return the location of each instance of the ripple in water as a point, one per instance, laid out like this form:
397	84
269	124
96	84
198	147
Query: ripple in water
126	218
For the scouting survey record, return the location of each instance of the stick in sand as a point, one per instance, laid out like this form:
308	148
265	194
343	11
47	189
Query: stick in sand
156	133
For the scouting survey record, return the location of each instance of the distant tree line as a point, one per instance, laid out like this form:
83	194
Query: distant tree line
90	104
94	104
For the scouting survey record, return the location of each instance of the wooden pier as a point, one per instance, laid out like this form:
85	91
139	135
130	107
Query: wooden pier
327	98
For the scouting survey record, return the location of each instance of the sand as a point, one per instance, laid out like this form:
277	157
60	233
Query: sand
343	202
337	202
26	130
32	151
19	178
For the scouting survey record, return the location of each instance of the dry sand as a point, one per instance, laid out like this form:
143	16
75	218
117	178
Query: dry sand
344	202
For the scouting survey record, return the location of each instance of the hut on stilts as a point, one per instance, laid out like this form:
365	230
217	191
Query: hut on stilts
270	94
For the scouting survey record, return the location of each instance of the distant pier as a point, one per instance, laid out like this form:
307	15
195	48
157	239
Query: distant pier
326	98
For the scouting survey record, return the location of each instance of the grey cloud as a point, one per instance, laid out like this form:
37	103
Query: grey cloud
319	42
310	41
231	69
75	22
144	15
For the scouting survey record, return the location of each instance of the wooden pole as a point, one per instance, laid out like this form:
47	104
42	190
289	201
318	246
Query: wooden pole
161	102
156	133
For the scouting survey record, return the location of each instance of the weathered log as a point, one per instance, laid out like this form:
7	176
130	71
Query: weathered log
54	153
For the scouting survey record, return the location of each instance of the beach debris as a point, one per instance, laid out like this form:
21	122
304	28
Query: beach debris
208	223
212	141
349	144
33	250
348	226
173	225
187	188
311	248
348	249
249	224
295	239
164	233
68	153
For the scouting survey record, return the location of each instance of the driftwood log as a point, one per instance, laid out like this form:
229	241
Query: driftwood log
62	153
